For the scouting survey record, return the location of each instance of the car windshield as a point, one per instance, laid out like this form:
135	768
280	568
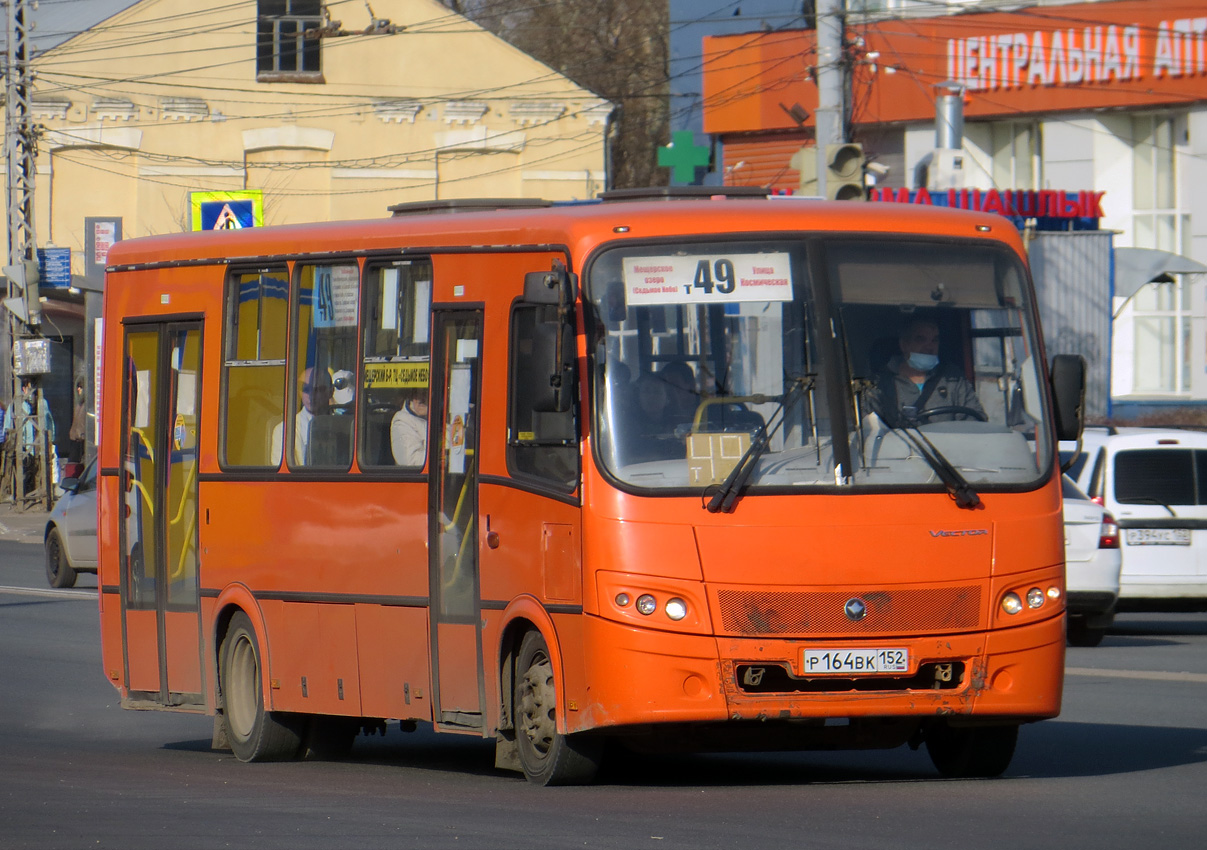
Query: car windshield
811	352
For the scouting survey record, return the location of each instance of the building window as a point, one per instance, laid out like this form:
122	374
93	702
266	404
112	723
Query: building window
1158	221
1162	342
283	52
1016	152
1160	311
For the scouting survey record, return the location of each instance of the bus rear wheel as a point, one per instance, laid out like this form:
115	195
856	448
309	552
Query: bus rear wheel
971	752
547	757
254	734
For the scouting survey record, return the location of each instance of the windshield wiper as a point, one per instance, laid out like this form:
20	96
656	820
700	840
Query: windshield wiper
729	489
1148	500
957	485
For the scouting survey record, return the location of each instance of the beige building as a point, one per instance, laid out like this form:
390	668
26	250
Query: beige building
406	102
169	97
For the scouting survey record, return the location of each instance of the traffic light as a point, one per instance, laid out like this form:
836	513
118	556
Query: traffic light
805	161
844	172
28	305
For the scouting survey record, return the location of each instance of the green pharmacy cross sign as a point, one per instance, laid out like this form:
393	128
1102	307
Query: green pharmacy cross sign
683	156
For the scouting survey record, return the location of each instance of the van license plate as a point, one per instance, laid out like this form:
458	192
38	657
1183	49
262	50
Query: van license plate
1158	536
829	662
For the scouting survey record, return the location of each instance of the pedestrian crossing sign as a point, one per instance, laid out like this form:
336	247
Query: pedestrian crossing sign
227	210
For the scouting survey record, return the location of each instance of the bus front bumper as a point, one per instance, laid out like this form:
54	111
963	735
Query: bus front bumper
641	677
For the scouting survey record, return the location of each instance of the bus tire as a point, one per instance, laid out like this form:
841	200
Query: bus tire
546	756
58	572
971	752
254	734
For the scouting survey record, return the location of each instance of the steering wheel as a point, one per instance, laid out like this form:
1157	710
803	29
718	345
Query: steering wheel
950	410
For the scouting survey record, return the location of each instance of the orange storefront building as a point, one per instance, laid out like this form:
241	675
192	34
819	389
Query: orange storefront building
1094	109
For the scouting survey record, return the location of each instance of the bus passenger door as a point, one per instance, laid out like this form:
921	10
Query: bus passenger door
161	396
456	628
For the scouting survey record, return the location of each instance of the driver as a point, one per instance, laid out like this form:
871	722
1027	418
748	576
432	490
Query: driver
915	382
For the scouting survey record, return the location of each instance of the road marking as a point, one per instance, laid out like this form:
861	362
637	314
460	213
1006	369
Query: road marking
53	594
1155	675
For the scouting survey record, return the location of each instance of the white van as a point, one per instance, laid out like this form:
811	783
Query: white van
1154	482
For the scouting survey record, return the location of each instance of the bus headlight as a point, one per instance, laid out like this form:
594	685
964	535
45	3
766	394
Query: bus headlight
647	604
1035	597
1011	604
676	608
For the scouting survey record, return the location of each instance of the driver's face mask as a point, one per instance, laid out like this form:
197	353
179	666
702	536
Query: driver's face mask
923	362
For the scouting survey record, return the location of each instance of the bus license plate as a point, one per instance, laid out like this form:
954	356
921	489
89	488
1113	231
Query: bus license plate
828	662
1158	536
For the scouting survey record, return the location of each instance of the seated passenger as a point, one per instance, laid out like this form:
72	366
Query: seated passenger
315	390
649	429
408	430
682	395
914	382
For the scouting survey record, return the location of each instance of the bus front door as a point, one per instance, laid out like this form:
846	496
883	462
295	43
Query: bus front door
161	619
456	624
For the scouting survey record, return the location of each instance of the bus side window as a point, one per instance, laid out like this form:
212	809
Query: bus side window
540	443
397	354
254	366
328	307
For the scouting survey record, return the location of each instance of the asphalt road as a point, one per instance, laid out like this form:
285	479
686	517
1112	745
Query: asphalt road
1123	767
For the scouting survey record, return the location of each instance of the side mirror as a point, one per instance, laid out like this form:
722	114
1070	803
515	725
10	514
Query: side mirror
69	485
1068	395
556	286
552	356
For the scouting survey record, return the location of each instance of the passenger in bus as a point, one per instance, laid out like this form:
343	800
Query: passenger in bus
658	423
316	401
682	394
408	429
914	382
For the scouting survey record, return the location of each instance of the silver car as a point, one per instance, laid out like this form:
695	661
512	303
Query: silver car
71	530
1092	564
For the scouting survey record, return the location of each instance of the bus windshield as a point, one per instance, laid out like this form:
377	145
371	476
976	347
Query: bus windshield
870	362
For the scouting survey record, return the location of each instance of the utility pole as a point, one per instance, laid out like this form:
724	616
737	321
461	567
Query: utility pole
830	117
20	153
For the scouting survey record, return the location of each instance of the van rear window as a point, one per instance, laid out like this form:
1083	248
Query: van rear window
1161	477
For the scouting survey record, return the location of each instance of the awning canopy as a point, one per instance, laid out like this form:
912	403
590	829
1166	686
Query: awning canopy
1135	267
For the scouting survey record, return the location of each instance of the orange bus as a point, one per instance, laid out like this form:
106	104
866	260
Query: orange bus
704	472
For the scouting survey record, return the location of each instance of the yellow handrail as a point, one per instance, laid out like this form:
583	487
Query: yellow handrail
757	398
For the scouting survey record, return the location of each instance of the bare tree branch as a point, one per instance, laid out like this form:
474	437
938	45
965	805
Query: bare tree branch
618	49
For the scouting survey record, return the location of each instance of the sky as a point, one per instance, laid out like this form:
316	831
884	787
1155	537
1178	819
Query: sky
57	20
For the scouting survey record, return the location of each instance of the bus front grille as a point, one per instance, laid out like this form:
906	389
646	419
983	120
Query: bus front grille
939	609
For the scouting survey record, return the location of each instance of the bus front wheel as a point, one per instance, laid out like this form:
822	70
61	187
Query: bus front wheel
254	734
547	757
968	752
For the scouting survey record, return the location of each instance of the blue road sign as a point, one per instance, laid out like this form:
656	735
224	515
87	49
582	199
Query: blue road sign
54	268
